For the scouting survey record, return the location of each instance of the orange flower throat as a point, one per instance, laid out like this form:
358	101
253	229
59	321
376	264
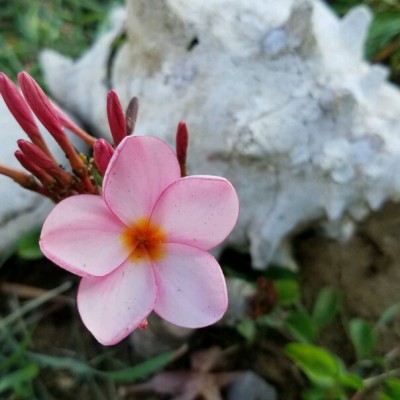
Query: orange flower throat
144	239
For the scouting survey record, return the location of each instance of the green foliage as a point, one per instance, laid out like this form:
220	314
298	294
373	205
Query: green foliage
247	329
388	315
28	246
301	326
288	291
362	338
318	364
391	390
68	26
82	369
325	371
19	367
17	371
329	376
326	307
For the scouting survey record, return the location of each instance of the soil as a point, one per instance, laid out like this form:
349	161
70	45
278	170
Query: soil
365	270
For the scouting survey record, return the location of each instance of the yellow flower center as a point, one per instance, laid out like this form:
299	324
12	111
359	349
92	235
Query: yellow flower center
144	239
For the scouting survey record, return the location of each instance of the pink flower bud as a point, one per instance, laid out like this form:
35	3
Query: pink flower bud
46	179
116	117
182	142
40	104
48	116
35	154
102	153
18	106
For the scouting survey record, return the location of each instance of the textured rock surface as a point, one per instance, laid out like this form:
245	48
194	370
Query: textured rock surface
277	98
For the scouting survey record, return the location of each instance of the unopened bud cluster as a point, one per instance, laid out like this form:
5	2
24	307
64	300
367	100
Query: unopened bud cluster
42	172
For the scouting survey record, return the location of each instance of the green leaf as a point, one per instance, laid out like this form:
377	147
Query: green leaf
277	273
272	320
314	393
392	388
32	304
28	247
247	329
288	291
362	338
351	381
326	307
81	368
142	370
388	315
384	396
17	378
318	364
15	357
301	327
78	367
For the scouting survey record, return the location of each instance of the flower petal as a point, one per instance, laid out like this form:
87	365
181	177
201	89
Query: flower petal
197	210
191	287
140	169
82	236
112	306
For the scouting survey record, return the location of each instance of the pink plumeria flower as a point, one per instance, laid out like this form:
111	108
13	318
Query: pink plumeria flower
143	244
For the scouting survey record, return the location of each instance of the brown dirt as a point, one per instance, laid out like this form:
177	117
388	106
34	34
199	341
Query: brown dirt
366	271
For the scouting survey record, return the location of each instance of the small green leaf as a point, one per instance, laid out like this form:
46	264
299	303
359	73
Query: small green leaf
392	388
33	304
79	368
270	320
388	315
28	247
314	393
362	338
384	396
351	381
326	307
276	273
247	329
301	327
17	378
318	364
142	370
288	291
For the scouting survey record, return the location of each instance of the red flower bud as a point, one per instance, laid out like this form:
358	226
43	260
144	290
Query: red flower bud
48	116
40	104
102	153
46	179
35	154
18	106
116	117
182	142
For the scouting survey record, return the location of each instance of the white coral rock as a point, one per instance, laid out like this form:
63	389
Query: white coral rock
277	98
